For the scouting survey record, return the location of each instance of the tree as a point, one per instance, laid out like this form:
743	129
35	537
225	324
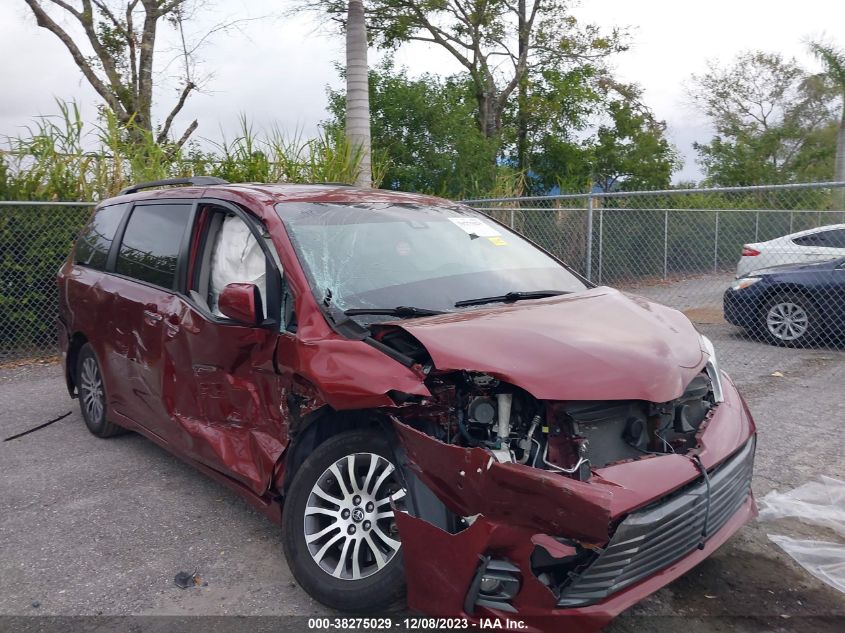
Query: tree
768	113
631	152
626	150
834	63
498	42
121	68
425	127
357	90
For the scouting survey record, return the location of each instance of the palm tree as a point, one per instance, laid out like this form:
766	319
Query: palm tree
833	60
357	90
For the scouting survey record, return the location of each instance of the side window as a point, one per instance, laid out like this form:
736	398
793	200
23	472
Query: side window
835	238
151	243
231	255
92	247
813	239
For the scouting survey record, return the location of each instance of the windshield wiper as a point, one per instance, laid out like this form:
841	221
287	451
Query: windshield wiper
403	312
510	297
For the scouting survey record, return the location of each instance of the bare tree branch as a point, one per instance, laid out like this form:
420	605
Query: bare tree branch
165	129
45	21
187	134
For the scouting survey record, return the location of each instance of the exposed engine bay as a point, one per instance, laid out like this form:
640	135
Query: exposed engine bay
473	409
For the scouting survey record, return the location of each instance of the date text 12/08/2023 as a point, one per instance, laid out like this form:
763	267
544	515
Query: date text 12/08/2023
415	624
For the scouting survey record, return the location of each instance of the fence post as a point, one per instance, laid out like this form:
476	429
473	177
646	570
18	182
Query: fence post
716	245
512	218
589	265
601	242
756	226
665	243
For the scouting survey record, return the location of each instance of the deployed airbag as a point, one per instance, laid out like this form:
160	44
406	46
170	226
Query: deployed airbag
236	258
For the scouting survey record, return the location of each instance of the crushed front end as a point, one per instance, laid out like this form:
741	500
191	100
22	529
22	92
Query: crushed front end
572	509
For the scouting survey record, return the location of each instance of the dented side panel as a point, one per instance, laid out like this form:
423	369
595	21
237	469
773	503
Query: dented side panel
223	394
129	331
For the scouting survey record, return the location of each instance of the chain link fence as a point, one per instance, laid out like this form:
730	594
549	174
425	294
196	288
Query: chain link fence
35	238
678	247
752	267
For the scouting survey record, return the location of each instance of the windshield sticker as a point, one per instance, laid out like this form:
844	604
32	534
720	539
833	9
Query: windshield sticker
497	241
474	226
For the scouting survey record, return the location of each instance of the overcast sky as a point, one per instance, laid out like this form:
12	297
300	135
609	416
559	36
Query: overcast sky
275	69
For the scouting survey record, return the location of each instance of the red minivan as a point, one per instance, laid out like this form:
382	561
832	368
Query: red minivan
429	404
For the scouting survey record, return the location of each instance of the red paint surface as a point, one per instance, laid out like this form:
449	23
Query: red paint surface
522	507
237	301
595	345
435	585
225	397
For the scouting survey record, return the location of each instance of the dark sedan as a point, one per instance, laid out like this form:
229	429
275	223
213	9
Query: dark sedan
794	305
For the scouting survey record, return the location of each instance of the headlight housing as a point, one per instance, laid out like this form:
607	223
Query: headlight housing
712	369
744	282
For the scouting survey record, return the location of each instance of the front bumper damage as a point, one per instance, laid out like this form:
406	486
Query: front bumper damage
572	553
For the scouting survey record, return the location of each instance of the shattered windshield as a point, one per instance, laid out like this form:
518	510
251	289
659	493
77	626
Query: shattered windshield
383	255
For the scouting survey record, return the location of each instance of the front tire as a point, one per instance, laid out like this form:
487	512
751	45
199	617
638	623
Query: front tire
92	394
338	530
790	319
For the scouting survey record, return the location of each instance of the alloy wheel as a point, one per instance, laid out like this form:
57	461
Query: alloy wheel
787	321
349	522
91	390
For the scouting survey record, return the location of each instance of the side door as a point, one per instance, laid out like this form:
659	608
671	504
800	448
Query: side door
225	393
144	270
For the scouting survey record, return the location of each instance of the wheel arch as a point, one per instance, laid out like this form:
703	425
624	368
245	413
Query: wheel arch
327	422
321	425
784	288
77	341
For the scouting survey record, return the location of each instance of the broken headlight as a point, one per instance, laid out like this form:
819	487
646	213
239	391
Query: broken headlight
713	369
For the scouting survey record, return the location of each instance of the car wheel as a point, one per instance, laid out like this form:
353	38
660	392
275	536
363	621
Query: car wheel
338	527
790	319
92	394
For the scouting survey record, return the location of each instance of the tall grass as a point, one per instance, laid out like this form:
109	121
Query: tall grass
57	159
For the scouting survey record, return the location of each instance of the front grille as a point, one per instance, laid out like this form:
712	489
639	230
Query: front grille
648	540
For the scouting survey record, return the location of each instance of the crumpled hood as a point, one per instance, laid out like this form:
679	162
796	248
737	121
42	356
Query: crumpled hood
600	344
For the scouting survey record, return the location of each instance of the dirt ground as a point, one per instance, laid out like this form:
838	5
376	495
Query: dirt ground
100	527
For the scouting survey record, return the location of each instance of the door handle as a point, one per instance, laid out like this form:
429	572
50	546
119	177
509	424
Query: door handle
152	317
172	325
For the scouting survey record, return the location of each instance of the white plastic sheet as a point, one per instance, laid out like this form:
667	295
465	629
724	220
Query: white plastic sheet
237	258
817	503
823	559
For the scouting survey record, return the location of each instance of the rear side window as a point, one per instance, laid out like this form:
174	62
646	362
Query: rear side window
92	247
835	239
150	245
807	240
828	239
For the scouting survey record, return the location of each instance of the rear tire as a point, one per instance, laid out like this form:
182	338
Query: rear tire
92	394
790	319
339	535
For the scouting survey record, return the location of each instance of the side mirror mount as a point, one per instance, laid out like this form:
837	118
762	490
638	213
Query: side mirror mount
241	302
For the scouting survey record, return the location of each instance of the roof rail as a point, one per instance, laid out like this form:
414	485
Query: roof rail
196	181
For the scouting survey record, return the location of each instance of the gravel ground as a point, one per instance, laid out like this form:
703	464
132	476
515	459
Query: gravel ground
100	527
